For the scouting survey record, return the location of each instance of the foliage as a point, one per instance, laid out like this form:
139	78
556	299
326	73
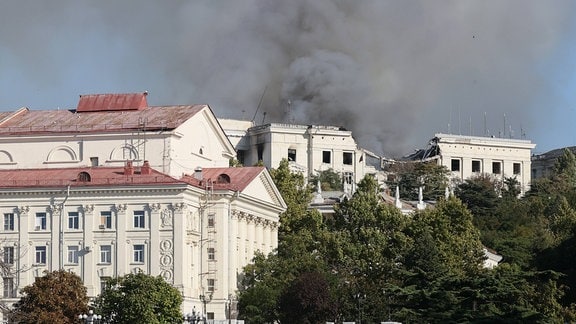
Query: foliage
308	299
139	298
432	177
330	180
57	297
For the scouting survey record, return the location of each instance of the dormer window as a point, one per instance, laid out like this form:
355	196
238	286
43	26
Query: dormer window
84	177
223	178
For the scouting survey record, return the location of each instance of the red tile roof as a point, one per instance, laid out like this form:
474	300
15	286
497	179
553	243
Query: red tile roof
27	122
112	102
238	178
99	176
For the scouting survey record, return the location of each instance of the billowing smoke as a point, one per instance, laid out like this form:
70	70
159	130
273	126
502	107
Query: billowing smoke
394	72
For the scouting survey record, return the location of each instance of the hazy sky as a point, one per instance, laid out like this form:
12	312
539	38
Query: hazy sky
393	72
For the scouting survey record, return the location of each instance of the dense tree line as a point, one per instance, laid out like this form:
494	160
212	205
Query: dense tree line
370	263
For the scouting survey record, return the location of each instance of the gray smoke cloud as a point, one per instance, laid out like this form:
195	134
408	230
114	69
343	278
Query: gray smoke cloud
393	72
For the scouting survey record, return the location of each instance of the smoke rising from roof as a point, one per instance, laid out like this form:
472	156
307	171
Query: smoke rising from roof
393	72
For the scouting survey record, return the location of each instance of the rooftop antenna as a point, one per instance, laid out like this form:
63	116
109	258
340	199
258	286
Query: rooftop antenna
263	117
485	128
522	133
259	103
504	129
449	122
470	124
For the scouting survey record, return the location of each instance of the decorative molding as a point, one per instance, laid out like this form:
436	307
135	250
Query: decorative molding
166	218
167	260
154	207
23	210
120	208
88	209
179	207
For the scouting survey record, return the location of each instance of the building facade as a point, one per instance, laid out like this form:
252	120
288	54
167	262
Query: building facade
466	156
309	149
197	229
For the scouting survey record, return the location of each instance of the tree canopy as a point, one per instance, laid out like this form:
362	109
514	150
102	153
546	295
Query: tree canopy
57	297
139	298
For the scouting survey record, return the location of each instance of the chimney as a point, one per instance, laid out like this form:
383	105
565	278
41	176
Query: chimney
145	169
128	168
198	173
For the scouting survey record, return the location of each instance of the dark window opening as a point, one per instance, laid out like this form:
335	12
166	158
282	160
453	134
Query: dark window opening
347	158
94	161
516	168
455	165
241	156
475	166
326	157
291	155
84	177
496	167
223	178
260	149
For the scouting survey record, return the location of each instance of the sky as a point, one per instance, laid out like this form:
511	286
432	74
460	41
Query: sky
393	72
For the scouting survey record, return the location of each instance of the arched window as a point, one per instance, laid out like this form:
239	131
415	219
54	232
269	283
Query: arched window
84	177
223	178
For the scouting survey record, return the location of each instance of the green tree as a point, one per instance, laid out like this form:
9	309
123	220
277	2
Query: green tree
139	298
410	176
308	300
330	180
57	297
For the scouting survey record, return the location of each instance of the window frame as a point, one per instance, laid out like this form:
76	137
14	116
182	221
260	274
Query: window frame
9	287
106	254
138	253
516	168
139	217
211	285
106	219
479	166
455	165
498	168
41	221
347	158
327	157
73	220
8	255
40	254
9	221
291	155
211	252
73	253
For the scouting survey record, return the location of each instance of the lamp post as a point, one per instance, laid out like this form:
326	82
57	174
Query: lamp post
90	318
229	308
205	300
193	318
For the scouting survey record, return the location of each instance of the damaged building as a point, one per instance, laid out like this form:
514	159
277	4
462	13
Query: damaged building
467	156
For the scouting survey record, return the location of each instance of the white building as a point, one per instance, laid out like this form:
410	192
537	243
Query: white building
466	156
308	148
77	194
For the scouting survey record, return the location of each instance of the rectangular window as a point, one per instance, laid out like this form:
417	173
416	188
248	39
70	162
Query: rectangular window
139	219
105	219
40	221
210	285
8	255
476	166
496	167
326	157
211	217
455	165
9	288
516	168
9	222
40	255
94	161
73	220
211	254
105	253
291	155
347	158
139	253
73	254
241	156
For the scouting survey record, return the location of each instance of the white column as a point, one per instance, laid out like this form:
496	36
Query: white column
122	249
